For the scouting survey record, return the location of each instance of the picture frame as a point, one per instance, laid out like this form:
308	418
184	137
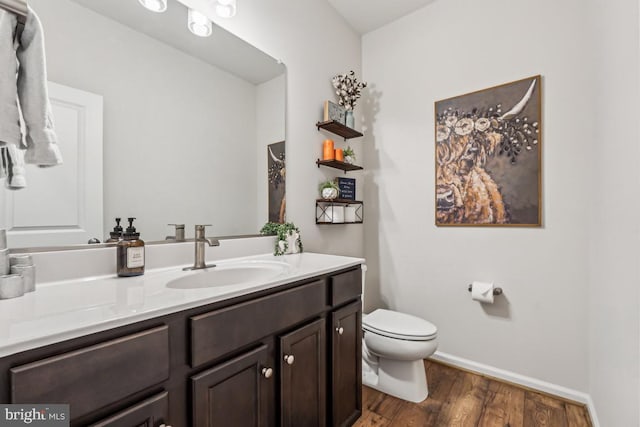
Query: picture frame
488	156
335	112
276	176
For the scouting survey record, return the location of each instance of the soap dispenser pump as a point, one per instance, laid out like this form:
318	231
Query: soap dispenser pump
116	234
130	255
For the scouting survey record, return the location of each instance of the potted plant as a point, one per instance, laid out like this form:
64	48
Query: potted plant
349	155
289	241
329	190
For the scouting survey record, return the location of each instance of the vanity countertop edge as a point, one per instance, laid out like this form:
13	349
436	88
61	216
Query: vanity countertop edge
61	311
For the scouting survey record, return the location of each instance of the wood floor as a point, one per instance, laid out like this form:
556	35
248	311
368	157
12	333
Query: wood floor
459	398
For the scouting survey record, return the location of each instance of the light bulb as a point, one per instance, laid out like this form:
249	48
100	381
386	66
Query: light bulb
199	24
226	8
154	5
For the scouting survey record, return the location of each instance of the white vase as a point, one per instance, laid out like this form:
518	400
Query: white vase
292	244
329	193
292	241
348	159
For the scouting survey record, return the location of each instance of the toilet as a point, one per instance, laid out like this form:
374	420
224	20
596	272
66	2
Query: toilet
393	348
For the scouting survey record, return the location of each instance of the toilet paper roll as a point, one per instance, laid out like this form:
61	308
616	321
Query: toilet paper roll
28	273
338	215
20	260
482	291
4	262
350	214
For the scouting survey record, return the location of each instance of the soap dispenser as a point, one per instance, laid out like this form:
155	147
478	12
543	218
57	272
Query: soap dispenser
116	234
130	253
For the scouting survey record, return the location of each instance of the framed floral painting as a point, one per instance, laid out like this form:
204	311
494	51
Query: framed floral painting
276	174
488	156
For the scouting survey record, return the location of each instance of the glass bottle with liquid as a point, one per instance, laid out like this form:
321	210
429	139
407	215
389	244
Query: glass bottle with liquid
130	253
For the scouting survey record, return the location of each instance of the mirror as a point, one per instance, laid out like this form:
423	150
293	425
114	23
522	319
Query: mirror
154	123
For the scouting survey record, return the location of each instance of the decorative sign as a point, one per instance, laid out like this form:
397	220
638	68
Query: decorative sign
347	188
333	111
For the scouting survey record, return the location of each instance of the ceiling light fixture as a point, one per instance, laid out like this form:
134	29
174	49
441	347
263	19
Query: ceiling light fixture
199	24
226	8
154	5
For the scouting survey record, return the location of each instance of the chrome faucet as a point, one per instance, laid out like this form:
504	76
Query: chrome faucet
179	236
200	240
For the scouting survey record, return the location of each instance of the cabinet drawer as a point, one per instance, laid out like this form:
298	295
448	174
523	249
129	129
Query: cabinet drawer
219	332
346	286
93	377
151	412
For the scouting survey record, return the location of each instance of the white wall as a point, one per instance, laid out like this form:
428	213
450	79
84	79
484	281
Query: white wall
539	328
314	43
614	310
270	128
176	148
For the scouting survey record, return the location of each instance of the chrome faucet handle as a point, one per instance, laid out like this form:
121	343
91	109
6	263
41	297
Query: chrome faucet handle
200	230
179	233
200	235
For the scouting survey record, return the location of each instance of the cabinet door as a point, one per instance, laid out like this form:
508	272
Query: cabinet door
346	375
152	412
303	360
239	392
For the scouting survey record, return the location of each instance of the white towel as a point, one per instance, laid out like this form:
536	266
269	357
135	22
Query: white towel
41	139
15	168
9	114
3	165
30	88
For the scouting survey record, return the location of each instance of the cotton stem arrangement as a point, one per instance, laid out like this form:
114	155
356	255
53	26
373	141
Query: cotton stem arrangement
348	89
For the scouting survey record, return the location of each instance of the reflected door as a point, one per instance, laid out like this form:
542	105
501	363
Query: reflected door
62	205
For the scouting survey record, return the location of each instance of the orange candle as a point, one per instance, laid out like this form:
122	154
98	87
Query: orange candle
339	155
327	150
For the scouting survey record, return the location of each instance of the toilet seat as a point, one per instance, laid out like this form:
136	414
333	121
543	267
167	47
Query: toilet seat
393	324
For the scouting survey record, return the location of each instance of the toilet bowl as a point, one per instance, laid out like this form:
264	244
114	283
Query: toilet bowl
393	348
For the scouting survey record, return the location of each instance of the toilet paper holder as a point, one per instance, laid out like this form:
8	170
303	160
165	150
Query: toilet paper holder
496	291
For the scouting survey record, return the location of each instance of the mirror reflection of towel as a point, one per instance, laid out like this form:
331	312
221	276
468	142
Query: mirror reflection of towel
12	167
40	136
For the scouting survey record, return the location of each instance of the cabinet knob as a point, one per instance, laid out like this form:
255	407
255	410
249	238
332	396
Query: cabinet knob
164	425
340	330
267	372
289	359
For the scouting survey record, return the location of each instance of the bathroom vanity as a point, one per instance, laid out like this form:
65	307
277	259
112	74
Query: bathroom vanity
285	351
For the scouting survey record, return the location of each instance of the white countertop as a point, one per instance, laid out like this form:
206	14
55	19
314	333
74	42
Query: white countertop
59	311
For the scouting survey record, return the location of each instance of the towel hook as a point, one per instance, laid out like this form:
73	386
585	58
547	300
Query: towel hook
20	8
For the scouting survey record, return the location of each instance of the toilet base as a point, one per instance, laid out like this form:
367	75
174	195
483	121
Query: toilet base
403	379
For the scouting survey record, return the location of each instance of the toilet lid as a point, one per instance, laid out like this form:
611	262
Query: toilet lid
398	325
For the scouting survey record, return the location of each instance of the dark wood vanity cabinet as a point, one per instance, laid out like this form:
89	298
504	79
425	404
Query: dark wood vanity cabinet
151	412
239	392
346	363
303	360
289	356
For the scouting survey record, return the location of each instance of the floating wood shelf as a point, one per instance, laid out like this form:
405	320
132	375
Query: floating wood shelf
340	201
339	129
338	165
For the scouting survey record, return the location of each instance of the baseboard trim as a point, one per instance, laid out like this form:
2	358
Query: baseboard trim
521	380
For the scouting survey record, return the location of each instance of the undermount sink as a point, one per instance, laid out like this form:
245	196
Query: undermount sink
229	274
